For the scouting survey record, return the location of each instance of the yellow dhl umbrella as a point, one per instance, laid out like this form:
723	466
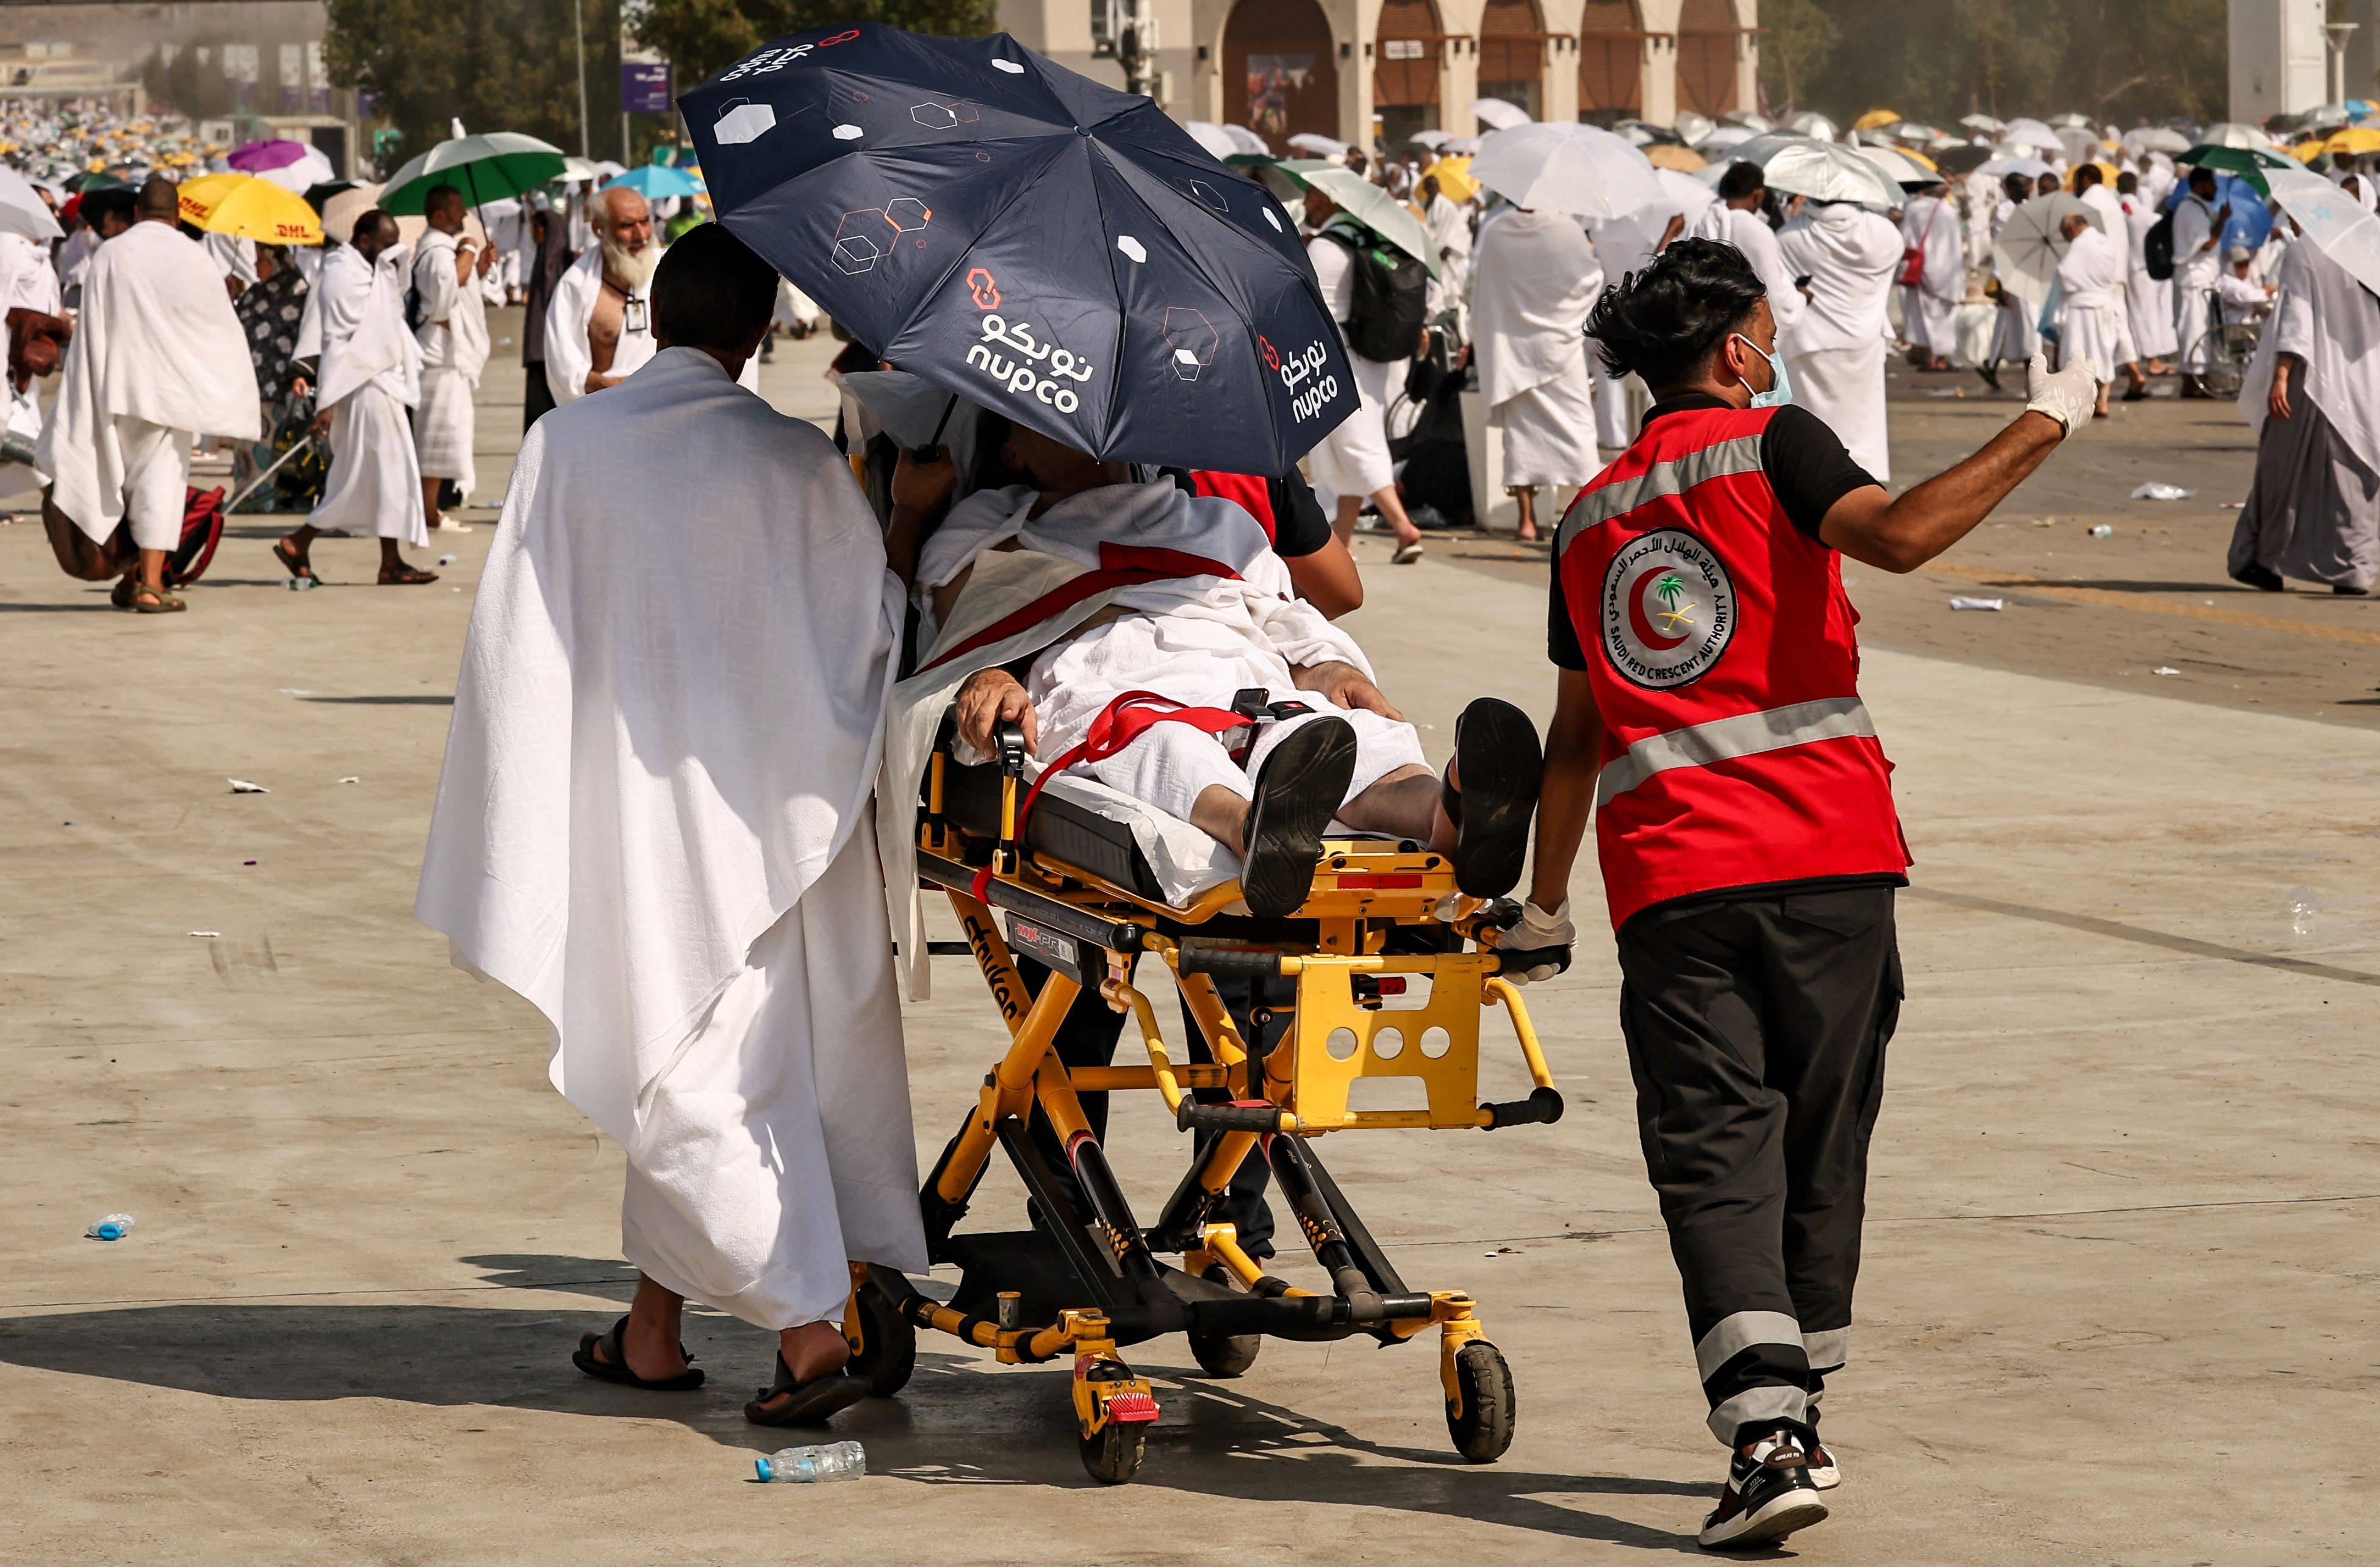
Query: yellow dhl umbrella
1875	117
251	208
2306	151
2353	139
1453	178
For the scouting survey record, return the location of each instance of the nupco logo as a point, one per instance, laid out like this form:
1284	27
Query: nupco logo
983	291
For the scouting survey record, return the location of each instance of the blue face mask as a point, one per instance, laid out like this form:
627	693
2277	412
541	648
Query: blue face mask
1780	389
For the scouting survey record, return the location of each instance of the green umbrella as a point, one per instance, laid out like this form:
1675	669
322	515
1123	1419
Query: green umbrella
484	168
1358	198
2242	160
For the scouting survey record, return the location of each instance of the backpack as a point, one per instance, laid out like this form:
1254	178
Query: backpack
1391	297
2157	249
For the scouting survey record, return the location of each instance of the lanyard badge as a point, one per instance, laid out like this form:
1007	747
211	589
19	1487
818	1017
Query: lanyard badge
633	314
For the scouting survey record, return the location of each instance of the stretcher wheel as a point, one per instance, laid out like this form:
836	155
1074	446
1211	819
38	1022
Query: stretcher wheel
1113	1455
888	1348
1225	1355
1482	1422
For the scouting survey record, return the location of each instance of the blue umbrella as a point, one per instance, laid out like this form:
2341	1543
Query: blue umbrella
654	181
2250	219
1050	248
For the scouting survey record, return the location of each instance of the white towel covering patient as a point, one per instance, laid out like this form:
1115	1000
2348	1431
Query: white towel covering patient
654	824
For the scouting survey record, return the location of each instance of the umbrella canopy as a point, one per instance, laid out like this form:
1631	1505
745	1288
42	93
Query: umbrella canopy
1247	141
483	167
1823	171
1059	252
1314	146
2357	140
1902	169
1758	124
2155	138
1498	114
1684	160
1688	126
251	208
1966	159
1689	194
2080	146
1813	125
340	213
2332	220
22	210
1875	117
2323	116
2030	246
1719	141
2231	133
1984	122
1360	200
1212	137
1433	140
2061	122
653	182
1572	168
293	165
1453	177
2232	160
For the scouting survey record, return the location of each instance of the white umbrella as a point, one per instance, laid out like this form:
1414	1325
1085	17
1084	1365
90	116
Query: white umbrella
1210	135
1898	166
1578	169
1247	141
2332	219
1816	125
1688	191
1362	201
1823	171
2327	117
2027	138
1316	146
1691	126
2070	120
22	210
2030	246
2155	138
2080	146
1460	146
1984	123
1433	140
1498	114
1723	139
1756	124
2031	168
2231	133
312	169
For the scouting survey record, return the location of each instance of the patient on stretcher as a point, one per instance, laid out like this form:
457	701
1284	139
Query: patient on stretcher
1202	617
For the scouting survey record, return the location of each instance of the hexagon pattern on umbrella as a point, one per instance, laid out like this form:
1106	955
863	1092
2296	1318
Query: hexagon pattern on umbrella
1053	249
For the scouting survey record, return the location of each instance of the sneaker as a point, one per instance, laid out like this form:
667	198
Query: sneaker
1823	1471
1768	1496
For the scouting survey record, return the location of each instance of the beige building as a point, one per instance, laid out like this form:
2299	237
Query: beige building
1358	69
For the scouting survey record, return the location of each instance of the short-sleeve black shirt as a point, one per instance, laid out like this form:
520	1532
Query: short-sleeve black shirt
1300	527
1806	465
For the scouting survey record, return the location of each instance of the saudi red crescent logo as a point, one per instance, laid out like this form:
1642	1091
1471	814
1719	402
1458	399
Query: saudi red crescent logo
1667	609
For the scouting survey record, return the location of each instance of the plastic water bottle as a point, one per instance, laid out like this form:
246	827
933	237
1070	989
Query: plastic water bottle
2304	906
835	1461
115	1227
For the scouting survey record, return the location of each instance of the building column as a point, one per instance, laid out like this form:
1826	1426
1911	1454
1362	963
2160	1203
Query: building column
1459	82
1747	55
1660	19
1354	28
1203	99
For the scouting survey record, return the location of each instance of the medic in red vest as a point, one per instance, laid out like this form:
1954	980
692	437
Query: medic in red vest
1709	716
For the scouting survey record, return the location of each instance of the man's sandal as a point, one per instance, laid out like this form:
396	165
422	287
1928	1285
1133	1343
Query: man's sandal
146	600
121	594
1406	554
1502	764
1300	787
615	1369
405	576
805	1403
297	566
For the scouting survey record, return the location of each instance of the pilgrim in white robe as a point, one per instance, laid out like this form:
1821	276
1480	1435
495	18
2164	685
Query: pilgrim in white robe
370	377
1535	280
1449	223
1621	246
2197	263
454	340
1354	458
2149	300
1750	233
568	356
2093	314
1851	256
157	357
1929	310
2314	508
653	824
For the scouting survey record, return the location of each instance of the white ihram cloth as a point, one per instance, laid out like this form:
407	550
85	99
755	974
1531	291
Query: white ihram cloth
1851	256
232	257
1354	458
654	825
2313	512
2196	265
1449	223
1622	245
1197	639
2093	315
1930	226
1536	278
2149	300
568	359
1749	233
454	340
156	347
371	374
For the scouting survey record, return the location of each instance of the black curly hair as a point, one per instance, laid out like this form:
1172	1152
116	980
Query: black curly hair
1663	321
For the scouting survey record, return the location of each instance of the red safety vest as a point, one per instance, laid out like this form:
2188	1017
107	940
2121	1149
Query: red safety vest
1719	646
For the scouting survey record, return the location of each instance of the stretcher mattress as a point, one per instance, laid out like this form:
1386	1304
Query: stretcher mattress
1082	822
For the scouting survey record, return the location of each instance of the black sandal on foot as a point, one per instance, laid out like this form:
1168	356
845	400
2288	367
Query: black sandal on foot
615	1369
1299	789
1502	764
811	1403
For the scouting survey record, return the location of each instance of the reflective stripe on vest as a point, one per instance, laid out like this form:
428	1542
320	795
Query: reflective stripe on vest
1724	739
1623	497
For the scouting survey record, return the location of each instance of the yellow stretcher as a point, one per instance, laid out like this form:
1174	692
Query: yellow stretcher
1078	898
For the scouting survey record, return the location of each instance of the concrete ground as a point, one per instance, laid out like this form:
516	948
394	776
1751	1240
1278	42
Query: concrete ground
2117	1305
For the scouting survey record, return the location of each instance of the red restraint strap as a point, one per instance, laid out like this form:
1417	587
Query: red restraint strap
1119	724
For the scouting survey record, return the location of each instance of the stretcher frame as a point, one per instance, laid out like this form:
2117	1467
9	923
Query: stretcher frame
1110	1289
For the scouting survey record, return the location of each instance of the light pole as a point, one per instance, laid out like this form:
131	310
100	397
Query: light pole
578	33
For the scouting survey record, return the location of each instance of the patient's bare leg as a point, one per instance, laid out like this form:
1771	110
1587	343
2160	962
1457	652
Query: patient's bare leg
1405	804
1221	814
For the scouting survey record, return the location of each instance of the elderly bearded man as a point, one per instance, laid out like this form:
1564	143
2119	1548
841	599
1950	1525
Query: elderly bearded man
599	327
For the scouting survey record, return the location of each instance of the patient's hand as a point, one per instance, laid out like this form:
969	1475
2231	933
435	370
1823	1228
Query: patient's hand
990	697
1345	686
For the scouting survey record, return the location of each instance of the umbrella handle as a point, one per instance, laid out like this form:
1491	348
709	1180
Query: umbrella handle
257	482
933	446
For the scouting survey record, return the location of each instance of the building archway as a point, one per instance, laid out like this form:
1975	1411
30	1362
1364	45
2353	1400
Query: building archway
1706	44
1280	79
1513	55
1610	62
1405	70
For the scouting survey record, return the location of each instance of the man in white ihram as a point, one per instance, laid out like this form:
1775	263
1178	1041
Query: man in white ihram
1851	256
449	273
1929	304
654	825
370	376
157	356
1536	279
2093	315
2198	226
599	327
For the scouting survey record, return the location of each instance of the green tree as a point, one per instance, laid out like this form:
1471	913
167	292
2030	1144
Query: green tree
1801	40
701	37
495	65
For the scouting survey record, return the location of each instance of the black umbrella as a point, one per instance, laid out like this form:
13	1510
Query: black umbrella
1056	251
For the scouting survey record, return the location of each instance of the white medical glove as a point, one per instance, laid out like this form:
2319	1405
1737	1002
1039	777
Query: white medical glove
1535	930
2069	396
